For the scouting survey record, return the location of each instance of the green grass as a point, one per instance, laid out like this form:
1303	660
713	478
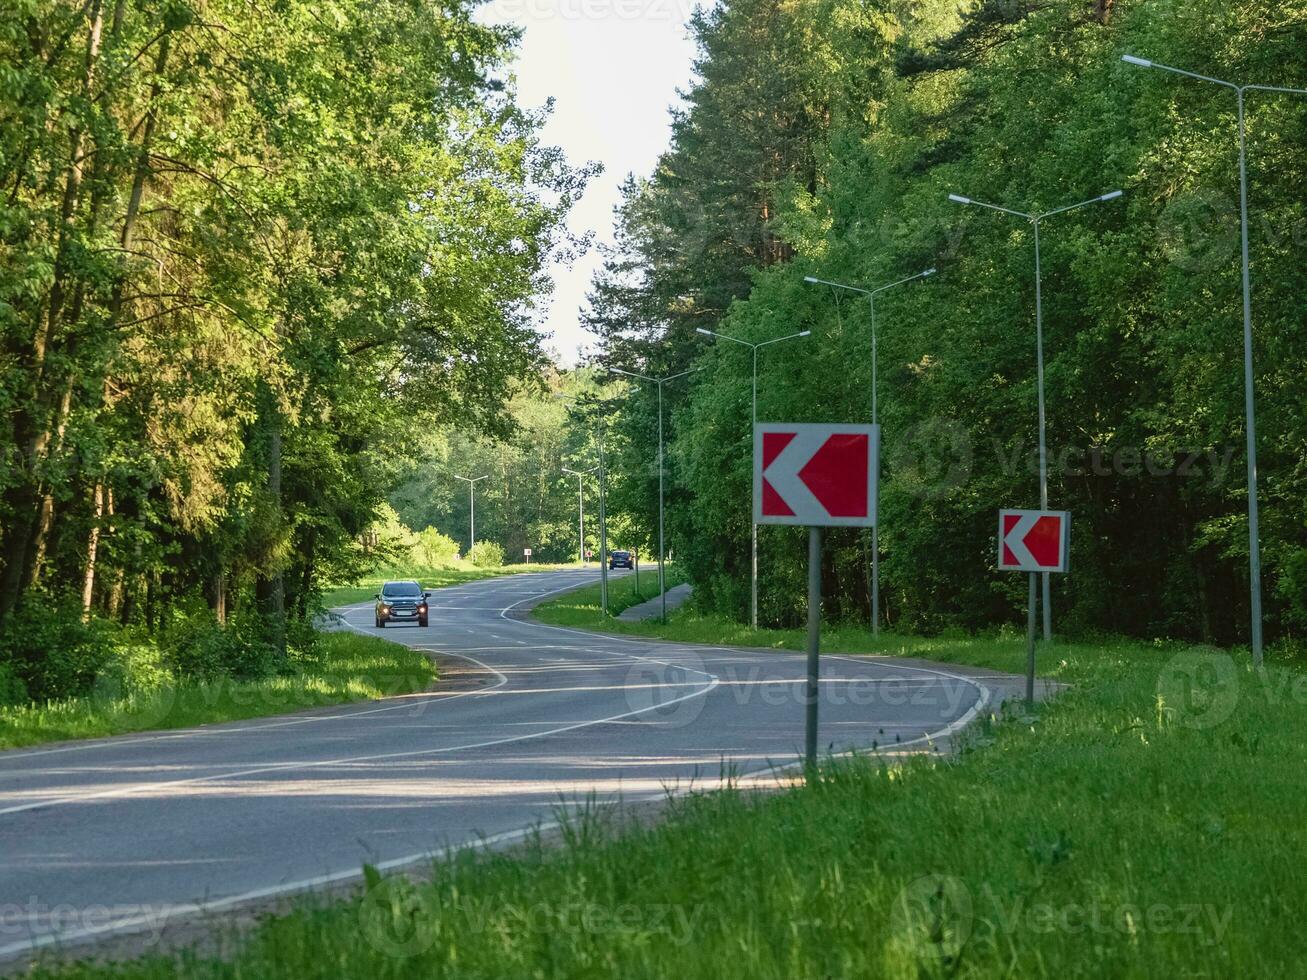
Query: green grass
580	607
1147	823
431	578
349	667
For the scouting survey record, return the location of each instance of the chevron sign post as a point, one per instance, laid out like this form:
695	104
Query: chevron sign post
817	476
1033	541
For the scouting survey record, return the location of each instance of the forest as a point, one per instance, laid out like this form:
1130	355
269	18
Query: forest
824	139
253	254
270	267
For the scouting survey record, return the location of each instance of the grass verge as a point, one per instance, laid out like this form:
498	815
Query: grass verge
348	667
1147	823
580	607
431	578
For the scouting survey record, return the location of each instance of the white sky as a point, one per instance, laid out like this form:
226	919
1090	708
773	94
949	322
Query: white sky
613	68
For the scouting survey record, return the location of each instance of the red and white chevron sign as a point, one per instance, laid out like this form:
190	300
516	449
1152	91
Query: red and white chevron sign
1034	540
816	475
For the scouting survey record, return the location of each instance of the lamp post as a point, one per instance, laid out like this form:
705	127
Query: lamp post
753	575
875	537
1250	429
472	506
1035	220
580	508
662	586
603	513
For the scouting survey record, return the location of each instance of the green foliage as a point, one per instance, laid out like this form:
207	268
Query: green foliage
527	501
487	554
49	651
434	549
135	690
888	107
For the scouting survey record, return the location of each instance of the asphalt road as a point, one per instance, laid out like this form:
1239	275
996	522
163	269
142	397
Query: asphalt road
128	833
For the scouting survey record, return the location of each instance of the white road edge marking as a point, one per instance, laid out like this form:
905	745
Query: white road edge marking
71	938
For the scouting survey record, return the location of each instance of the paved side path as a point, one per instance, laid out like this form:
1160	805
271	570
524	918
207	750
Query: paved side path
676	597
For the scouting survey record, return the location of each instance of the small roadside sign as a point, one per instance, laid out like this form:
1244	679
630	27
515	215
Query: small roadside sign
1034	540
815	475
526	552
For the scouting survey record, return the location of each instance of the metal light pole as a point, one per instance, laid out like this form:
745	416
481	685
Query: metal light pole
662	586
753	575
1034	220
603	527
1254	542
580	508
603	513
472	506
875	537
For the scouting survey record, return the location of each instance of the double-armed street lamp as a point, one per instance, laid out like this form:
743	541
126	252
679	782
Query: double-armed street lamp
875	538
662	585
472	506
753	575
603	514
1035	220
1250	429
580	507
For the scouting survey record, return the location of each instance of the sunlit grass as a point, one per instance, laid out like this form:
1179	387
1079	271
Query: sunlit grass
581	607
430	578
348	667
1123	830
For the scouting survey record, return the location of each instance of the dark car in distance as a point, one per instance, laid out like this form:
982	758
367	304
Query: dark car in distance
401	602
620	559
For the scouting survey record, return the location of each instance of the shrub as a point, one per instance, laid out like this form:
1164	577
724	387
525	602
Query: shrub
50	651
486	554
433	549
199	648
12	689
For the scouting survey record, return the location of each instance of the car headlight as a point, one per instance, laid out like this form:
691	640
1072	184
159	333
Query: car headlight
385	609
422	607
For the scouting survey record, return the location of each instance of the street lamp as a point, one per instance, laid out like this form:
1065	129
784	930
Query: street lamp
662	587
580	506
1254	545
875	537
1034	220
603	514
472	506
753	576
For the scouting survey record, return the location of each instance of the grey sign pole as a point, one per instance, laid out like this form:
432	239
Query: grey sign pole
814	643
1030	643
1034	220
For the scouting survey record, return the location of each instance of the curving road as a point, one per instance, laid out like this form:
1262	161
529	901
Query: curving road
125	834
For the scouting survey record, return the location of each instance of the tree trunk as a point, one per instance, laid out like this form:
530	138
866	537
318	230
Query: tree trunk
270	587
92	546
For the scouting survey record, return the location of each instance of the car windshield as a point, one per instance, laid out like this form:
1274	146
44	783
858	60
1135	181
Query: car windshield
401	589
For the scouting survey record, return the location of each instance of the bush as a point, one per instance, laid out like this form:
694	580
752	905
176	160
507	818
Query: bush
12	689
434	549
199	648
486	554
51	652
